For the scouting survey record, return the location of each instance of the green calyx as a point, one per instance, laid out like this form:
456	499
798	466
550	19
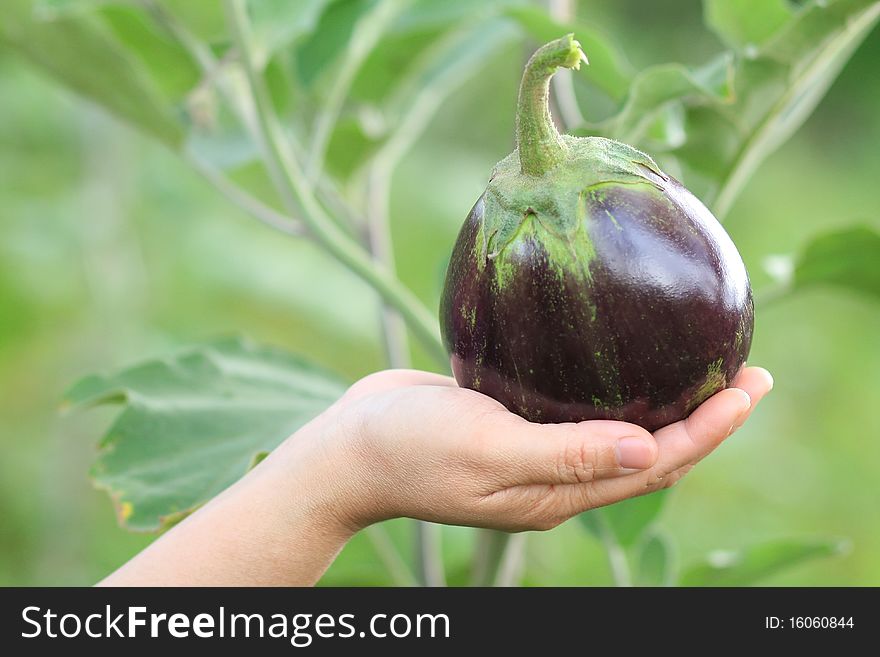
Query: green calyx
549	175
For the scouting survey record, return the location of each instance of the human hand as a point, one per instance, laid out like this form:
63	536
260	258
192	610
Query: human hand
414	444
408	443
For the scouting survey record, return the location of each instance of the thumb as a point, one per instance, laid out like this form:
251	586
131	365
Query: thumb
559	454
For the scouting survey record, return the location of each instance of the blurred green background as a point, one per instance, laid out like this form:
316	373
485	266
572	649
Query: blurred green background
112	250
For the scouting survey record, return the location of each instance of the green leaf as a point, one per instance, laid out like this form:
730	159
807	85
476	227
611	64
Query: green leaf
848	258
751	565
194	423
779	88
734	113
205	20
654	88
279	23
608	69
655	559
52	9
435	73
327	40
167	63
81	52
430	15
627	520
746	23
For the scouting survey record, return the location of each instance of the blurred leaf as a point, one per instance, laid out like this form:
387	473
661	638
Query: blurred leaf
778	89
367	33
654	88
327	40
81	52
736	114
743	23
751	565
52	9
169	65
205	20
194	423
608	67
278	23
439	70
627	520
448	63
432	15
415	29
848	258
350	145
655	561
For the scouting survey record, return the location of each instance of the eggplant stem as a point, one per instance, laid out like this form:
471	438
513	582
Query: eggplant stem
538	141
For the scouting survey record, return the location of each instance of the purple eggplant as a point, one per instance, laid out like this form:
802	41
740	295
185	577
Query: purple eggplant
588	284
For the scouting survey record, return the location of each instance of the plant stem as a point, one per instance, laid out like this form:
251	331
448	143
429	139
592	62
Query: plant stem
366	34
489	556
563	82
390	557
382	249
212	75
620	570
539	144
245	201
428	537
512	561
296	194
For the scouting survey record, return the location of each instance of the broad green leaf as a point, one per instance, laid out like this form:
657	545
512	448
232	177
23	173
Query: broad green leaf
655	561
751	565
848	258
608	67
194	423
746	23
82	53
626	521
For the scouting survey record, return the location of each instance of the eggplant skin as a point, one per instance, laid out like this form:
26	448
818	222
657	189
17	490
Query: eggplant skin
640	316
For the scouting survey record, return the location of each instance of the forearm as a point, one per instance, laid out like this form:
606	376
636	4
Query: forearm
279	525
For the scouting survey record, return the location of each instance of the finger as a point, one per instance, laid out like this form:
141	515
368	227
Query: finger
757	382
679	444
702	431
390	379
524	453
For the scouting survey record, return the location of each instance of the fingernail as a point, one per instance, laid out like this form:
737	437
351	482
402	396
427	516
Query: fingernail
634	453
743	414
745	411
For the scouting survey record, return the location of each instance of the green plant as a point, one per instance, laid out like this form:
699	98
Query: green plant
275	104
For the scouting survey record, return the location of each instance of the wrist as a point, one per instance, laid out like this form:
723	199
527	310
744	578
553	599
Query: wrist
326	475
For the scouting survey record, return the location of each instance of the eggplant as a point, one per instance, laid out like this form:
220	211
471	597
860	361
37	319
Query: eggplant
588	284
